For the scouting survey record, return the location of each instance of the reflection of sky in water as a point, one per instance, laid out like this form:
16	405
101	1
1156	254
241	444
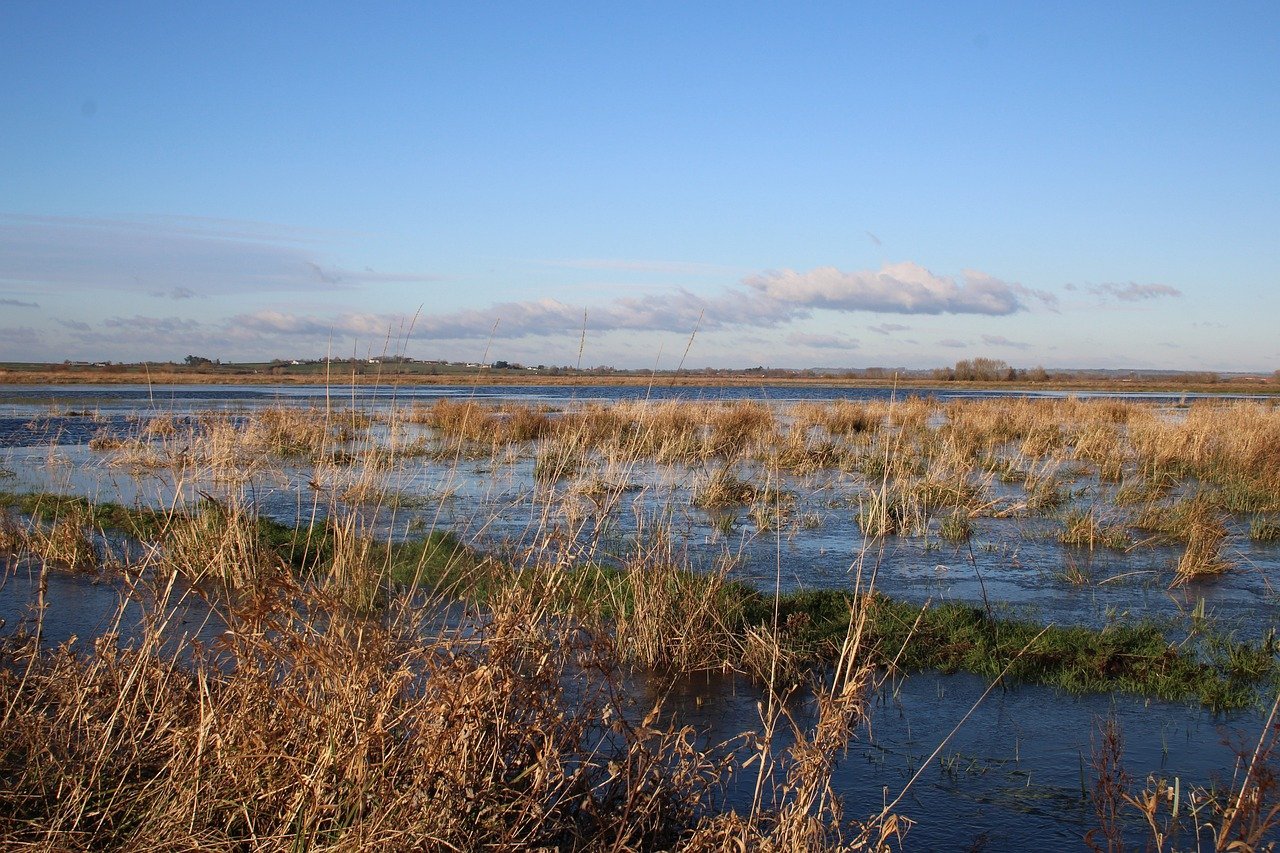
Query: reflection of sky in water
1012	772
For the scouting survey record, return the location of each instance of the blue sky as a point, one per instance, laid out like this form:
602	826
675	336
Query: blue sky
849	185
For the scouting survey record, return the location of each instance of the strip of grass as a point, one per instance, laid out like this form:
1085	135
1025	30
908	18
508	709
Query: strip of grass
1219	672
139	523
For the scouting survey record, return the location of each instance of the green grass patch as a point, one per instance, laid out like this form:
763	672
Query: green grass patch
1134	658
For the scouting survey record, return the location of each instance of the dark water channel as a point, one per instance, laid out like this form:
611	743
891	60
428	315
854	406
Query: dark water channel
1014	776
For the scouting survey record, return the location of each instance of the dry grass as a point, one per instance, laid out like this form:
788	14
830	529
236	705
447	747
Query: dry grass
217	543
311	725
338	733
1205	553
722	487
1092	529
65	541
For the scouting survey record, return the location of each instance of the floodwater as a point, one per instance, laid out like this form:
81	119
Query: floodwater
1013	775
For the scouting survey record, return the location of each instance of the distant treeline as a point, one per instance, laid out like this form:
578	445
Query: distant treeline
984	370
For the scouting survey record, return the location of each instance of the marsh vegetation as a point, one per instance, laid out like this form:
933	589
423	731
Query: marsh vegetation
430	617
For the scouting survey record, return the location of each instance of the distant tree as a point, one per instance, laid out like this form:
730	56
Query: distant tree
196	361
1195	378
1037	374
981	370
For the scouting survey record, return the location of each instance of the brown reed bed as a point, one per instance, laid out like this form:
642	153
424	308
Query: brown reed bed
310	724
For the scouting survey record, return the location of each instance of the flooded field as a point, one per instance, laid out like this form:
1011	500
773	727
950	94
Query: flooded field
682	513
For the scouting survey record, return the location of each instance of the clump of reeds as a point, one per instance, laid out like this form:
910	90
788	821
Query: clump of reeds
1235	446
526	423
595	424
884	512
1045	493
106	441
1089	529
807	813
911	413
738	425
1074	573
799	453
956	527
843	418
339	731
1175	520
557	458
13	536
1242	815
65	540
1262	529
161	426
291	432
217	543
772	509
1144	490
357	571
723	487
667	618
1102	444
458	419
1204	555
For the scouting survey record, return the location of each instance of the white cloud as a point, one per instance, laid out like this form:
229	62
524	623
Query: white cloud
762	301
153	325
1002	341
903	288
1132	292
21	338
176	293
675	311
